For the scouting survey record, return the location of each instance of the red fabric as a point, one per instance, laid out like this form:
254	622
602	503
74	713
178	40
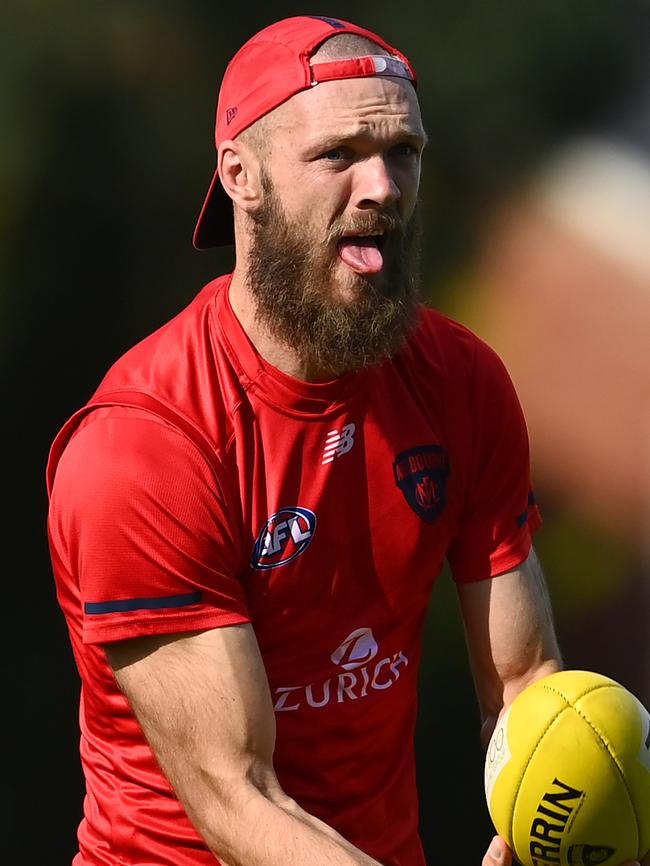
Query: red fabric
373	479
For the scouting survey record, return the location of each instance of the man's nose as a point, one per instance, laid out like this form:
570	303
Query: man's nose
374	184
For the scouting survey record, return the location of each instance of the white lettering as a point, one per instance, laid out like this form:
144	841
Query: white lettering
296	532
279	534
324	700
283	693
378	685
385	674
398	659
342	688
268	544
366	682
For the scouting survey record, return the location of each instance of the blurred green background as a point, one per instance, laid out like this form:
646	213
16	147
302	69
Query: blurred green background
107	150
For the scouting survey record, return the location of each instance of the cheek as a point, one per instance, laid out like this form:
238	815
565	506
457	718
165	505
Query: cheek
318	201
409	184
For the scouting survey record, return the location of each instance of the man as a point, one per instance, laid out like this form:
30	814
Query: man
247	518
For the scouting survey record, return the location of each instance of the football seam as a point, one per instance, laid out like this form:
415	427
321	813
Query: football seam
532	755
620	770
601	739
579	697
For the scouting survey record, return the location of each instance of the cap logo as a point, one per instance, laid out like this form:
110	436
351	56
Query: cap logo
231	114
333	22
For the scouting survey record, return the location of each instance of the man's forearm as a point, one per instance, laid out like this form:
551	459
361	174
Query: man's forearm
258	829
511	637
203	703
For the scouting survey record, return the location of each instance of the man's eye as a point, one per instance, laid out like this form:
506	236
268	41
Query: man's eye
336	154
405	150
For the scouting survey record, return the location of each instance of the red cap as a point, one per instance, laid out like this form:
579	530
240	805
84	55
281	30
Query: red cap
269	69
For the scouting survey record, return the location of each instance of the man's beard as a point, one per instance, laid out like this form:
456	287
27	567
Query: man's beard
291	275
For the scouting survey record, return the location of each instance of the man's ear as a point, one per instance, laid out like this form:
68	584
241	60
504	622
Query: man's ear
239	170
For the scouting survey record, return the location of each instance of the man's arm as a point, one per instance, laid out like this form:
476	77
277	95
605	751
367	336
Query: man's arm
510	636
511	642
203	702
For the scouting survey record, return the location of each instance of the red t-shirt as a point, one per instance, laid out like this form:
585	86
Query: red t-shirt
202	487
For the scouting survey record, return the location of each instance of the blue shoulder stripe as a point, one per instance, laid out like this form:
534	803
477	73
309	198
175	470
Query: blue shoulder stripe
122	604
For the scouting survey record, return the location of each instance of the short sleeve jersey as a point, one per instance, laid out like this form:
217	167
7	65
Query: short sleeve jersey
201	487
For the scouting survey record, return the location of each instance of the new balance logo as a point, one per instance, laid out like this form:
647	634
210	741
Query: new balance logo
338	442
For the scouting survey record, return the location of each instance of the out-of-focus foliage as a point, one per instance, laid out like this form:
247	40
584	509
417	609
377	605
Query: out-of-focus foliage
105	154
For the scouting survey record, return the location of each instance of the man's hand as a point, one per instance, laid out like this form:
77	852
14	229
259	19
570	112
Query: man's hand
498	854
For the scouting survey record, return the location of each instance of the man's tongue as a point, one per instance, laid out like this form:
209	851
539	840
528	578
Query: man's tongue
361	254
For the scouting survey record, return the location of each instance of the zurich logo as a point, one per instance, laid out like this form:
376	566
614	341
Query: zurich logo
357	649
284	536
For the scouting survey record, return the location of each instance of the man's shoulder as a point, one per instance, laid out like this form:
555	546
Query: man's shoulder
445	344
174	373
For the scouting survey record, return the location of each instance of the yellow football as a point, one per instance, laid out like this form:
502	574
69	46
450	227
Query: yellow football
567	773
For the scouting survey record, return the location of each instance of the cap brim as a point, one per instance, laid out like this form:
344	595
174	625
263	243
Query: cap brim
214	227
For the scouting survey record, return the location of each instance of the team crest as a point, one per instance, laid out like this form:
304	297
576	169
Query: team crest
421	474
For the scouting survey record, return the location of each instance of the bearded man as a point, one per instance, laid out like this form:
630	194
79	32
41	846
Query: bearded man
248	516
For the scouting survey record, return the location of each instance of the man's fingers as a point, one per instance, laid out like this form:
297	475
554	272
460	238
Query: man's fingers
498	854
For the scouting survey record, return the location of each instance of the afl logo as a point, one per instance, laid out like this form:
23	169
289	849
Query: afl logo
284	536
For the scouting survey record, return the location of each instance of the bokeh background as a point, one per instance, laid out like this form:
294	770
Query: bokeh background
536	196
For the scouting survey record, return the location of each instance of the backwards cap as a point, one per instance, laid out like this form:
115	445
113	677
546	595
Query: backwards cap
269	69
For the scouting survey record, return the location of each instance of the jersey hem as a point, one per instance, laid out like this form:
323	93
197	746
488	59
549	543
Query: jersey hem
106	632
509	555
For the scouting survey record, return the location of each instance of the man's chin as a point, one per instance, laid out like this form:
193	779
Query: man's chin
349	285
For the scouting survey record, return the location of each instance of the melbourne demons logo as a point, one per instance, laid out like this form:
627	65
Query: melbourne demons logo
421	474
284	536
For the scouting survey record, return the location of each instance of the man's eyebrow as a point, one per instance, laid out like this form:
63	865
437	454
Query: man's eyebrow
404	134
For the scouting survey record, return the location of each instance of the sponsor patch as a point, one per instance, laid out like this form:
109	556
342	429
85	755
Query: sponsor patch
361	676
421	474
